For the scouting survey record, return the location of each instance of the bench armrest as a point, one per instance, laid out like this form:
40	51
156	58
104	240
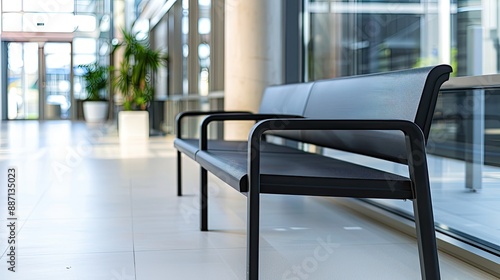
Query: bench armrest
235	117
182	115
415	142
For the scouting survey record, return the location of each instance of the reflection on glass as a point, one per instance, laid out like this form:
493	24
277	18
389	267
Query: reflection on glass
453	123
85	23
104	49
57	48
84	46
204	26
185	25
84	59
204	51
203	84
105	23
205	3
141	28
353	37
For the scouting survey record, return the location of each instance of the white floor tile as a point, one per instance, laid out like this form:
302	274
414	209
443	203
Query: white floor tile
182	264
102	266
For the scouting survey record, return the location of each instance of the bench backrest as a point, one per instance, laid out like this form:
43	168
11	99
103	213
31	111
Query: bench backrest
399	95
290	99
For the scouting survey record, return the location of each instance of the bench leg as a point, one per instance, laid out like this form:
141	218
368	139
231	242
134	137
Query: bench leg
179	174
203	200
253	212
426	238
422	209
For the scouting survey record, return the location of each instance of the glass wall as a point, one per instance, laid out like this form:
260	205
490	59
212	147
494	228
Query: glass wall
53	37
203	49
50	15
351	37
196	36
365	36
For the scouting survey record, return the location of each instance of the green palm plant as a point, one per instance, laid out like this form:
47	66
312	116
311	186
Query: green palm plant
96	79
134	75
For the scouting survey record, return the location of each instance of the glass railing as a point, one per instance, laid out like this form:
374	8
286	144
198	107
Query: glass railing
464	162
175	104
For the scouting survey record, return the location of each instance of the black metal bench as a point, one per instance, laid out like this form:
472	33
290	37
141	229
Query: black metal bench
385	116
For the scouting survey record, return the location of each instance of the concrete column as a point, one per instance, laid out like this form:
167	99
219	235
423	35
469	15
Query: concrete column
253	56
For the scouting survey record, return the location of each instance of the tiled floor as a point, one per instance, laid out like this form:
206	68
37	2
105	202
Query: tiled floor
92	208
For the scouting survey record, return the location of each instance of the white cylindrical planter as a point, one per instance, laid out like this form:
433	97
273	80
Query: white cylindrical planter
95	111
133	125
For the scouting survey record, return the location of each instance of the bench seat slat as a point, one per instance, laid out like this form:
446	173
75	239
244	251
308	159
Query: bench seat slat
306	174
189	147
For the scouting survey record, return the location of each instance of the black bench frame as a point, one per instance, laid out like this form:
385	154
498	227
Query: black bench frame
178	128
418	189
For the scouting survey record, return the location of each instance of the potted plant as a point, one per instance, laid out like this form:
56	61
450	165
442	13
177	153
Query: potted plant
95	106
133	79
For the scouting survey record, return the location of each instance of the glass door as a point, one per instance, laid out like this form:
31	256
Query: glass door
22	81
38	81
57	77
